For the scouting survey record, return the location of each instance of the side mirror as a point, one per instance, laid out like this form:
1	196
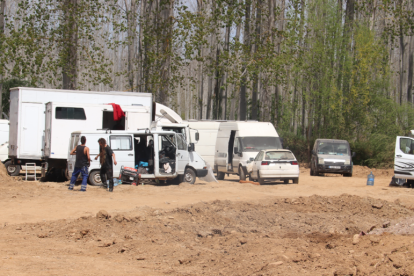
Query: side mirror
191	147
236	150
197	136
353	154
313	152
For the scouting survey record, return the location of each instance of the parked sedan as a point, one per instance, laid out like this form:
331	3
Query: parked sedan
275	164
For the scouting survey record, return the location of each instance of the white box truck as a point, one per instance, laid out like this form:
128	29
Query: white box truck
238	143
28	117
206	132
169	153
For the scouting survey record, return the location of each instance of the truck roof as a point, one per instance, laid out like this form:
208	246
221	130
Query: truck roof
84	91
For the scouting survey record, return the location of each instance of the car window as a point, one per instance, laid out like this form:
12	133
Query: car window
407	145
278	155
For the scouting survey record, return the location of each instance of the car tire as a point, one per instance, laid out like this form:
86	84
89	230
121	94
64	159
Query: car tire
250	177
311	171
189	176
242	174
259	179
286	181
220	175
295	180
12	170
95	178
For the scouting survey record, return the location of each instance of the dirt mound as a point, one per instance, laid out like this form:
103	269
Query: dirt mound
4	176
363	171
313	235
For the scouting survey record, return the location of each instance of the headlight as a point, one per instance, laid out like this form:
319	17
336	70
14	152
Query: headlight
320	161
347	162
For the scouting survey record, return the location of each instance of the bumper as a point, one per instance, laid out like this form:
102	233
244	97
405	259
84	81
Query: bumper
342	169
202	173
288	174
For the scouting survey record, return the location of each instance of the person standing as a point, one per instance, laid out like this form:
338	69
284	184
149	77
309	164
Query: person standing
106	155
81	165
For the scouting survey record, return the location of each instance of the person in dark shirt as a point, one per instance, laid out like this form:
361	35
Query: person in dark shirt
81	165
106	155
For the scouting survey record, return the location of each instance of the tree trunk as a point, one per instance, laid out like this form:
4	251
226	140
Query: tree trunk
410	72
243	82
2	23
131	20
402	52
256	74
70	45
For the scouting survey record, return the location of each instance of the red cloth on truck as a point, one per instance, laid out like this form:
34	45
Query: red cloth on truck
118	113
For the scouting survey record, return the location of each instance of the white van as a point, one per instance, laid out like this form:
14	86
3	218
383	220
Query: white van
404	158
239	142
133	147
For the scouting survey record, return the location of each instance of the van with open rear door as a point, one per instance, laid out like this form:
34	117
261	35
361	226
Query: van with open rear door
238	143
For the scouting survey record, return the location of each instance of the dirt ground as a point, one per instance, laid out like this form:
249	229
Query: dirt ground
329	225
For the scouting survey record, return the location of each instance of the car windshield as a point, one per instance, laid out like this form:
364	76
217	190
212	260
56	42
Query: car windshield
259	143
278	155
333	148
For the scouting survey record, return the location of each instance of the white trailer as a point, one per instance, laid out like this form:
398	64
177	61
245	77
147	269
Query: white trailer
64	118
27	117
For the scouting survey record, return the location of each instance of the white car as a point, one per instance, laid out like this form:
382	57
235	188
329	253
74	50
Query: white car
275	164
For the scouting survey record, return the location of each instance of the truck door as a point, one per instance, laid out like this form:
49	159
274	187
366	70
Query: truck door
74	141
182	153
404	158
123	148
48	126
32	126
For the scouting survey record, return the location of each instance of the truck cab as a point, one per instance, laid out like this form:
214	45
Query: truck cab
164	153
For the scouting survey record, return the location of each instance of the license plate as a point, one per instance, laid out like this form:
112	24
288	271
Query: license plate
334	167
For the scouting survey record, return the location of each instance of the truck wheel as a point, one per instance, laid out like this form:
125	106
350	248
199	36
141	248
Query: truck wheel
286	181
259	179
189	176
95	178
311	171
296	180
13	170
242	175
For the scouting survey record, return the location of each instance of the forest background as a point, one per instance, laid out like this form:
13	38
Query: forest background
314	68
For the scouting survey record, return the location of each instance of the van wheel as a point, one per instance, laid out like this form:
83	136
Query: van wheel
95	178
296	180
259	179
220	175
242	175
13	170
189	176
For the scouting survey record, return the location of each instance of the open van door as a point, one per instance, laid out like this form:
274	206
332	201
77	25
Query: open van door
182	153
404	158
